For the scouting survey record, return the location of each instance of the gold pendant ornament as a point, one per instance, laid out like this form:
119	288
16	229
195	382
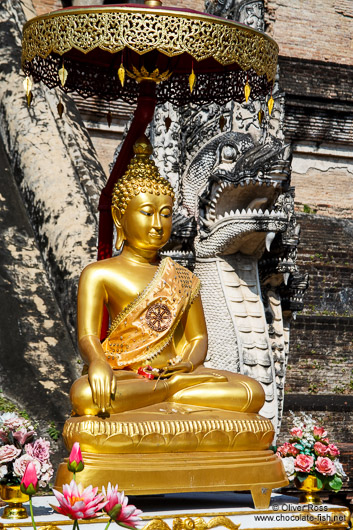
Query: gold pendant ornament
192	79
247	90
63	75
222	122
260	116
121	74
270	104
27	85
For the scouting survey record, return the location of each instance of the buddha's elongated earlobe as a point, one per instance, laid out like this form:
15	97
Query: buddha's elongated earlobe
120	236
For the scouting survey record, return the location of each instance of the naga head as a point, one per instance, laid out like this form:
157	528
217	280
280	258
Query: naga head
232	188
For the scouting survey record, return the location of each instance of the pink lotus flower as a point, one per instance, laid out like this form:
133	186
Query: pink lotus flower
304	463
40	450
118	508
332	450
319	432
296	432
287	449
8	453
78	503
325	466
75	463
20	465
29	483
320	448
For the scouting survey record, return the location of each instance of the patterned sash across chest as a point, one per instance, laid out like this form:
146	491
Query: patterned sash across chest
147	325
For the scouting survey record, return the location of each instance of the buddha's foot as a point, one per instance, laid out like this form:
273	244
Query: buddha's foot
181	381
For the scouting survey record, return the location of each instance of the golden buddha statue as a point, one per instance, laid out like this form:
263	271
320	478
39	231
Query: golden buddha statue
146	391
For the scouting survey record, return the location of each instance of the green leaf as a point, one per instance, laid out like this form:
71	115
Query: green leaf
302	476
299	446
335	483
320	483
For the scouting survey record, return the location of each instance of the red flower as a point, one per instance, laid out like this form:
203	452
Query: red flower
319	432
29	482
320	448
75	463
296	432
332	450
325	466
287	449
304	463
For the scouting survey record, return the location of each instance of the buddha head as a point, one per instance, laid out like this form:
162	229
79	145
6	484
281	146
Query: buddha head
142	202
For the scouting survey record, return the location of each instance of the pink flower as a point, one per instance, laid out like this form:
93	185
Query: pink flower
39	450
20	465
13	422
75	463
78	503
22	435
8	453
296	432
325	466
319	432
304	463
320	448
332	450
3	436
118	508
29	482
287	449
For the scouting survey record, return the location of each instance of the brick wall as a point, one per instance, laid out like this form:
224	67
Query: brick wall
319	376
319	30
45	6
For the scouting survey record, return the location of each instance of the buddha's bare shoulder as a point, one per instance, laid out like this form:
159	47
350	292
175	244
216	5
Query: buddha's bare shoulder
98	270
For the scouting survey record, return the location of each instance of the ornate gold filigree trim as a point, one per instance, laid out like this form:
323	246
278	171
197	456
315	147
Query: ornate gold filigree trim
143	30
198	523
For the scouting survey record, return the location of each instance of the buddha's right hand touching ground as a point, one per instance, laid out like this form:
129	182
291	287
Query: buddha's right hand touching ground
103	383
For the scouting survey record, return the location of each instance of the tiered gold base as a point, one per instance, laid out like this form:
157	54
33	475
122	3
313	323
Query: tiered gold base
143	474
173	448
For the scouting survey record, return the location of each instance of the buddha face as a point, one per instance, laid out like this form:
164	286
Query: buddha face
147	221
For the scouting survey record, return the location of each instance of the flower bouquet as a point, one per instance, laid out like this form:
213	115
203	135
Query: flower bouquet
309	454
18	447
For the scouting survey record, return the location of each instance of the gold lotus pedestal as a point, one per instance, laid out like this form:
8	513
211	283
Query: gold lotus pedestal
177	449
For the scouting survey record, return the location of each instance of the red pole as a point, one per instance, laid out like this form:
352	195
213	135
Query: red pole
142	117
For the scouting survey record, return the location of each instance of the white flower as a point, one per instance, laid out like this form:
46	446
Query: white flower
3	471
288	463
339	468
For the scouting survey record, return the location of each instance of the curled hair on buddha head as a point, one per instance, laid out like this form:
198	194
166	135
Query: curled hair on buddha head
141	176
